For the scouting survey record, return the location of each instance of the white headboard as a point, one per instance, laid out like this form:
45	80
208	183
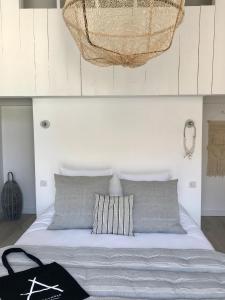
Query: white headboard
135	134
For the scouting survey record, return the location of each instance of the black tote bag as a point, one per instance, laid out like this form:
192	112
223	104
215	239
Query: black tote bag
45	282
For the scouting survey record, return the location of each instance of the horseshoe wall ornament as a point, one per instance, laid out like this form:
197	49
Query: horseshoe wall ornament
189	150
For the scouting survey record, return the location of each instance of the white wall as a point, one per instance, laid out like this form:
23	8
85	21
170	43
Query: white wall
213	188
18	150
135	133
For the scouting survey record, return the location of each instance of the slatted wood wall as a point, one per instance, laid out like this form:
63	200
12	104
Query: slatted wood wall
38	57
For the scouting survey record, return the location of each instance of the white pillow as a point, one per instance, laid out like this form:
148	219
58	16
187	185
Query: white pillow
151	176
85	172
114	186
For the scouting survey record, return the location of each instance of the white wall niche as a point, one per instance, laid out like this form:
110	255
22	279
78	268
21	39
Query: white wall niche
136	133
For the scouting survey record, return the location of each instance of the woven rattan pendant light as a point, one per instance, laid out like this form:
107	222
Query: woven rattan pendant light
122	32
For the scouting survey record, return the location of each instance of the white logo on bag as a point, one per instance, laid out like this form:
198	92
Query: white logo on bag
44	288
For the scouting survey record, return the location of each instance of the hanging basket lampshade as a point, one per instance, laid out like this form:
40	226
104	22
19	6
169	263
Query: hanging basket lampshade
123	32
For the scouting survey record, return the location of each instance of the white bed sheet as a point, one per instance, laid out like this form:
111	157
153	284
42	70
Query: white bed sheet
38	234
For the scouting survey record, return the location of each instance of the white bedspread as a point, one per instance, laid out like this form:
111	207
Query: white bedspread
38	234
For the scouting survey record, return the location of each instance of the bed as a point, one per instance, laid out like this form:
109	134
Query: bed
194	239
178	263
146	266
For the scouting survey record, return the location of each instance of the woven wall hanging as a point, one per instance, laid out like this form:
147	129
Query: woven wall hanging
189	149
216	148
122	32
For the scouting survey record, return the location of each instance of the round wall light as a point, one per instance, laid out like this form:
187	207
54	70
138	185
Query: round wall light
45	124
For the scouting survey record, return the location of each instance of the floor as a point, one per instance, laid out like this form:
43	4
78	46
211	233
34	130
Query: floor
10	231
214	229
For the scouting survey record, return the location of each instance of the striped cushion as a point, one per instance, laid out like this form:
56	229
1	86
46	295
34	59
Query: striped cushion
113	215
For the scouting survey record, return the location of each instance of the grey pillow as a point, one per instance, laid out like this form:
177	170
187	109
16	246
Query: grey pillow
75	200
113	215
156	208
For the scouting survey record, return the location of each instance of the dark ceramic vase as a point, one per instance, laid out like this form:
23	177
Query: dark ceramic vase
12	199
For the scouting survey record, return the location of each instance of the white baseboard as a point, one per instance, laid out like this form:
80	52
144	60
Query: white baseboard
213	213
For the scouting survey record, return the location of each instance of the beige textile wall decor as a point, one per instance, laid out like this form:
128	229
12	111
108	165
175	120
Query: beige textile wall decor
216	148
122	32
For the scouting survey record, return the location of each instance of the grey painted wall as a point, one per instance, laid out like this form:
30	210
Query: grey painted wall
38	3
52	3
17	147
213	188
1	158
198	2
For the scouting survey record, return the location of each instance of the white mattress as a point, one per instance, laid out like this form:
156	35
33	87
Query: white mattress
38	234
